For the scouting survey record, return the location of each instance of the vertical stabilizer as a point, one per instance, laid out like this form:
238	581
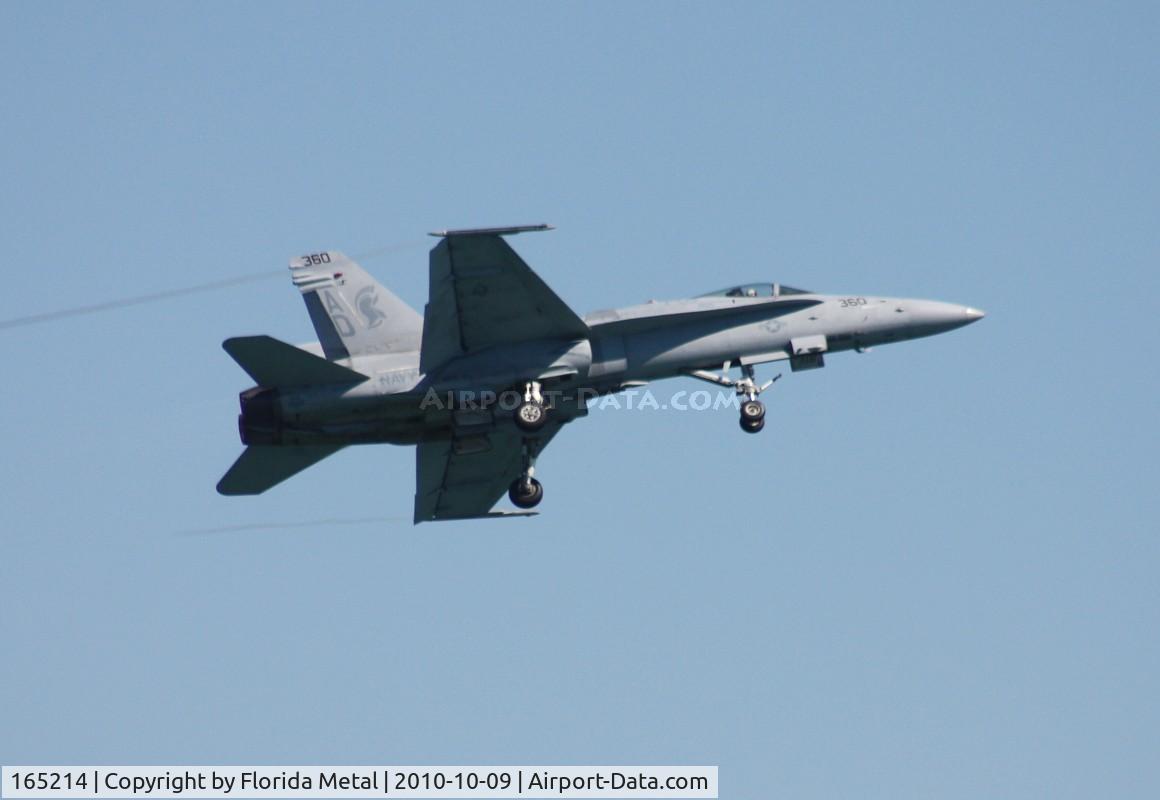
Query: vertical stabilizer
352	313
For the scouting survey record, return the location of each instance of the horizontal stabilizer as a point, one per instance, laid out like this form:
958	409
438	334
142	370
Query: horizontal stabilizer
274	363
261	466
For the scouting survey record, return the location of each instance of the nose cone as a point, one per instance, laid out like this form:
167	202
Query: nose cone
949	316
928	317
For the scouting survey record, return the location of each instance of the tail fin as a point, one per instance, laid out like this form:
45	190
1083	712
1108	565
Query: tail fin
261	466
353	314
273	363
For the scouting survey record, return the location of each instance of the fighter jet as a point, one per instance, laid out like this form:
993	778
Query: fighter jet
498	364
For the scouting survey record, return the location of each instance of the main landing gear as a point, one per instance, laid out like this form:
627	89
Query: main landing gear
531	414
752	409
526	491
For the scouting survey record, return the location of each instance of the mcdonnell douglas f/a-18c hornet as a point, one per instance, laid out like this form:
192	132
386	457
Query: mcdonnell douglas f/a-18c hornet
499	363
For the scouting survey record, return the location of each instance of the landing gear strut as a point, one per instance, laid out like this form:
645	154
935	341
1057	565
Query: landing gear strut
525	491
531	415
752	409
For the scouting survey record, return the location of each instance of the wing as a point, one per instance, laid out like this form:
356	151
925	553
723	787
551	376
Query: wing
464	476
483	294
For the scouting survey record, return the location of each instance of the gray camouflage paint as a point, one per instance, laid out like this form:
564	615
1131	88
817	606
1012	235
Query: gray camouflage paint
492	326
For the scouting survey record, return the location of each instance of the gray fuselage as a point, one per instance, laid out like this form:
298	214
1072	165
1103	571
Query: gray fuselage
626	347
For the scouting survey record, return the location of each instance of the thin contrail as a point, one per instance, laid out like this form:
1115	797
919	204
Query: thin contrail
77	311
267	526
124	302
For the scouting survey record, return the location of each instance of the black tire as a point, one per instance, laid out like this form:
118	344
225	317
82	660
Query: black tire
752	426
752	410
530	416
524	495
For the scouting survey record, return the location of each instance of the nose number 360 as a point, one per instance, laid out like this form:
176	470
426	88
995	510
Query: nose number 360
850	302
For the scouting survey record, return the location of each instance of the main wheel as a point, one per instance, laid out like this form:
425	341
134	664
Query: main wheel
752	426
526	495
752	410
530	416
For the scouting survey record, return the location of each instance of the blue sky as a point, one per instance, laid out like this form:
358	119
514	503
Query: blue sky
932	574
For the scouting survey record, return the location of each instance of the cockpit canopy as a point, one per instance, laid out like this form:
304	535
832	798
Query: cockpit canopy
757	290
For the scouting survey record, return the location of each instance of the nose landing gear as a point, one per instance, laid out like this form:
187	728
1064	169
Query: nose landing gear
752	409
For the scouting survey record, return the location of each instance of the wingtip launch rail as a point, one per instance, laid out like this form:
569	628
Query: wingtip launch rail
509	231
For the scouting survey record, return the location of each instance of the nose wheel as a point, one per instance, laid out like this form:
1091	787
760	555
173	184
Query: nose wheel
752	416
752	409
